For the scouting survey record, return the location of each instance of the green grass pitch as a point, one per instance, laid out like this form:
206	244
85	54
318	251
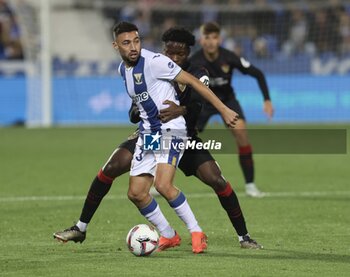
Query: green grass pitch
304	224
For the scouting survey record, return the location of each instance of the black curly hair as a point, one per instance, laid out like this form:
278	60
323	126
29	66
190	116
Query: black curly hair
179	34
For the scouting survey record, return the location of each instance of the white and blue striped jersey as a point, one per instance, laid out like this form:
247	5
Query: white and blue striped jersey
148	83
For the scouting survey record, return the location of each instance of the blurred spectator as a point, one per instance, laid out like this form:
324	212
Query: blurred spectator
323	32
143	22
167	24
234	2
10	44
260	47
344	31
298	35
128	12
13	49
208	11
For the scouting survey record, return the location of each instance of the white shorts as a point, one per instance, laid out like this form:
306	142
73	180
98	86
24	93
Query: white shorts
145	160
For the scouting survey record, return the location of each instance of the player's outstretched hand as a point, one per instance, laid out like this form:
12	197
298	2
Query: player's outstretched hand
268	109
230	117
171	112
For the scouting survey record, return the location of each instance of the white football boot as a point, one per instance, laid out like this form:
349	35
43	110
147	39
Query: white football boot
252	191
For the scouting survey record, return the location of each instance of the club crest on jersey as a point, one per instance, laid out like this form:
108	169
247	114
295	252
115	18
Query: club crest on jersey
181	87
225	68
138	78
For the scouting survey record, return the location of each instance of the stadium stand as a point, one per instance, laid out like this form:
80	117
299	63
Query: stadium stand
10	44
302	46
280	32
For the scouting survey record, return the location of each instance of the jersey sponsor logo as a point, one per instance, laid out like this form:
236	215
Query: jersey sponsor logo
171	65
214	82
138	98
244	62
225	68
138	78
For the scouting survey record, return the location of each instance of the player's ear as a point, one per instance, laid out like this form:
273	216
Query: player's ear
115	45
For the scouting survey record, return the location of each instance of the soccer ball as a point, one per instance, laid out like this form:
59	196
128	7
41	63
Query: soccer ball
142	240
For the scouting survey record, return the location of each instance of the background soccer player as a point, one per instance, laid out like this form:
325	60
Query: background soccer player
220	64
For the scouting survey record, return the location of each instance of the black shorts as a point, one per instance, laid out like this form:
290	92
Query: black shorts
208	111
192	159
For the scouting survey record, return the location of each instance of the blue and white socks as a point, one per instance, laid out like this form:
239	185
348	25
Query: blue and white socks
183	210
154	215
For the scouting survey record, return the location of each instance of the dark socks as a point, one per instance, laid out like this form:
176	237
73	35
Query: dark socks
229	202
246	162
98	189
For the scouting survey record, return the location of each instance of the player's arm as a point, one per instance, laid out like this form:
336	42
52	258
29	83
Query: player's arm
134	114
246	68
260	77
173	110
229	116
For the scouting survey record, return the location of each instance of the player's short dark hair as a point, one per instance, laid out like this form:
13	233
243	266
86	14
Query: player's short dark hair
209	28
123	27
179	34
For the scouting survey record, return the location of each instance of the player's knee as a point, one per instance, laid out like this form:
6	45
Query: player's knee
242	139
136	196
114	169
217	182
162	188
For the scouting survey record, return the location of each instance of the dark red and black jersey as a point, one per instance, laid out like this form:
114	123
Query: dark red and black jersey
221	72
189	98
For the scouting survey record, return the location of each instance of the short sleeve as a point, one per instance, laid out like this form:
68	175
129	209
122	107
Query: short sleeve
164	68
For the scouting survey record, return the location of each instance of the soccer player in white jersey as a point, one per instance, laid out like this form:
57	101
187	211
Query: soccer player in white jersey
147	78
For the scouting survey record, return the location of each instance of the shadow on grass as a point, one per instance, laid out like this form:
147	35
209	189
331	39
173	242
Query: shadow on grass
265	254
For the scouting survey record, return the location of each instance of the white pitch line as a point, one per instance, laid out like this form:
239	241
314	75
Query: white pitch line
300	194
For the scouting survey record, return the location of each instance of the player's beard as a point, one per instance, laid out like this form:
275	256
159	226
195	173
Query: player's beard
131	61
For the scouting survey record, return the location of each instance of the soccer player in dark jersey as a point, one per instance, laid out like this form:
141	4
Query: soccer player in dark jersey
200	163
220	64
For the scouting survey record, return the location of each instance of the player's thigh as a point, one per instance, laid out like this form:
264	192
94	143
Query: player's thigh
204	117
164	175
119	162
210	174
240	133
192	159
167	162
143	161
234	105
139	187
